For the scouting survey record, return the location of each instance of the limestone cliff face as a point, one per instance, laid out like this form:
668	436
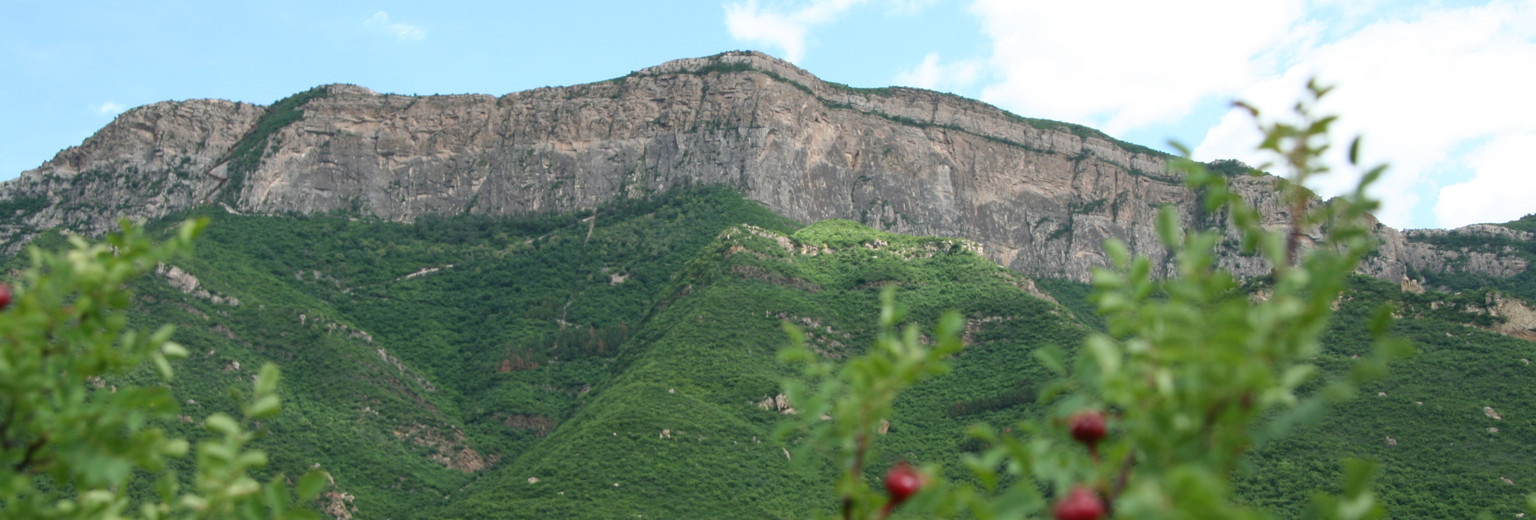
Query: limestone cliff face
148	162
1040	196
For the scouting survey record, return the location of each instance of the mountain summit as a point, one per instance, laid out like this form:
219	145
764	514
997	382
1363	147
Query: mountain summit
567	302
1040	196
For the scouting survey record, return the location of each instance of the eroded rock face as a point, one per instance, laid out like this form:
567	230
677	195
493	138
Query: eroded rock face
1427	257
148	162
1517	319
1040	197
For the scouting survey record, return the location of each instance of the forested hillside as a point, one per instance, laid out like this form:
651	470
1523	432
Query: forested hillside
621	361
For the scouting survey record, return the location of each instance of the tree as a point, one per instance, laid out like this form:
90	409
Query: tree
70	441
1157	412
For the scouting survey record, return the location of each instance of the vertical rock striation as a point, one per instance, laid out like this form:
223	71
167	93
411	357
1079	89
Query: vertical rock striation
1040	196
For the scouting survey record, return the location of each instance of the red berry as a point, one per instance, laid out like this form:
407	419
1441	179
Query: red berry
1087	427
1081	504
5	295
902	481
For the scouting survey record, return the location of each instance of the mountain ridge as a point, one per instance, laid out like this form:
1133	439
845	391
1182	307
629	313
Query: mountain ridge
1040	196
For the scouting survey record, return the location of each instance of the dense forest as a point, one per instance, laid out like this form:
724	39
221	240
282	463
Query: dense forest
622	361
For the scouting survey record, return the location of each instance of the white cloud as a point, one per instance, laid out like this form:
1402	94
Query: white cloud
1503	189
401	31
1121	65
109	108
1436	88
935	75
1420	91
908	7
752	23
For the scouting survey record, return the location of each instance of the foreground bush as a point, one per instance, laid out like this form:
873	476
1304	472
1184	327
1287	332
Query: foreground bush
74	431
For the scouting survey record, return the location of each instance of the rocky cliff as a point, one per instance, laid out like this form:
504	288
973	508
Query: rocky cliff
1040	196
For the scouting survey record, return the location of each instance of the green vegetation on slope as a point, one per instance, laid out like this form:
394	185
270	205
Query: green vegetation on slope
682	431
1441	460
1526	224
246	155
420	356
1457	278
634	349
1442	456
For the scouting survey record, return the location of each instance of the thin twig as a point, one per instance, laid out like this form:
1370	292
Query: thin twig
1120	482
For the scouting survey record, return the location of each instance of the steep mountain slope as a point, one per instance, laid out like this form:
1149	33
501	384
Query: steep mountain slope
1477	250
1452	427
417	357
469	293
1040	196
445	362
684	430
472	366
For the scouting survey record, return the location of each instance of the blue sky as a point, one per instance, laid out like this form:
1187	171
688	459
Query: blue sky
1441	89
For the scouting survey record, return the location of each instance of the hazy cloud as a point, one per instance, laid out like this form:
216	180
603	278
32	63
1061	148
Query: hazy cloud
908	7
1440	94
401	31
937	75
1122	65
1503	187
786	29
109	108
1437	89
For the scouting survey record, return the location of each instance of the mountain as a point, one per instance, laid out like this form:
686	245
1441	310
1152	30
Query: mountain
566	302
518	367
1039	196
472	366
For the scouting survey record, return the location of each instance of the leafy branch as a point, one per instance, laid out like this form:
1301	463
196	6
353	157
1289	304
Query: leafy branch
1192	373
71	443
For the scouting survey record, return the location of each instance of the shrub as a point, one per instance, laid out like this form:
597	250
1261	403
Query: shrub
1190	375
75	431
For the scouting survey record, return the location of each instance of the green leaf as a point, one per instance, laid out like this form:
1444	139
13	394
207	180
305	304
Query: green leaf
176	448
1119	254
1309	412
1296	375
162	366
222	424
1381	319
275	497
1105	353
1252	110
1372	175
311	484
251	459
979	467
173	350
1168	227
1051	356
162	334
1053	389
266	381
190	229
1360	506
1358	474
265	406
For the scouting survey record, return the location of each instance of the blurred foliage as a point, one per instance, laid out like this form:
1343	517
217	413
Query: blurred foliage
615	362
70	442
1194	372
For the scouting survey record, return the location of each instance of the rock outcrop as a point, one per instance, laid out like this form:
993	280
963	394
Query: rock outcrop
1040	196
148	162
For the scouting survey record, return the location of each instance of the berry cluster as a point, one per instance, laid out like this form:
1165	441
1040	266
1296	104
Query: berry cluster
1082	503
